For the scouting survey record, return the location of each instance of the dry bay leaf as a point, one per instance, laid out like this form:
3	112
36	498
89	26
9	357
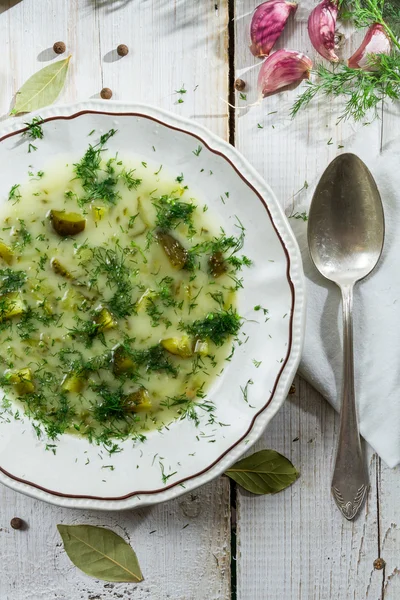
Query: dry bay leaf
100	553
42	88
264	472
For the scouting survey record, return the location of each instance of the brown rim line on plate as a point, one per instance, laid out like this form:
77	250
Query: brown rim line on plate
289	280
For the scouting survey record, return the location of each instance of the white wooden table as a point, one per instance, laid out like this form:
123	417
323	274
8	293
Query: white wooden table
218	543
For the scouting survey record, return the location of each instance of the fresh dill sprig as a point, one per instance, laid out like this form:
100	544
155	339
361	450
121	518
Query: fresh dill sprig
363	90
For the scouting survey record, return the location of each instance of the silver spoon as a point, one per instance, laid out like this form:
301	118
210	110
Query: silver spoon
346	231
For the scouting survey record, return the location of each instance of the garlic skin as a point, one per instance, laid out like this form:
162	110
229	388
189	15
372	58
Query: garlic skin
283	68
375	42
268	22
321	29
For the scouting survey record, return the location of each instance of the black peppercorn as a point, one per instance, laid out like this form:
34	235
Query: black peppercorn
240	85
122	50
379	564
16	523
59	47
106	93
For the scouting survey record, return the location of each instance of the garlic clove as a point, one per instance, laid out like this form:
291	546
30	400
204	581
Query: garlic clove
283	68
375	42
268	22
321	29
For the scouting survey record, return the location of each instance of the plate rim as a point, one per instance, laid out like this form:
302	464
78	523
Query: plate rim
294	275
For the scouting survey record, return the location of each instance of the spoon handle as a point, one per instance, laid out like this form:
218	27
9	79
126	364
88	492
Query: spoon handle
350	476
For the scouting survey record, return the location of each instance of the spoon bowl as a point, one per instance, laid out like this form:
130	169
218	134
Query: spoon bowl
346	231
346	223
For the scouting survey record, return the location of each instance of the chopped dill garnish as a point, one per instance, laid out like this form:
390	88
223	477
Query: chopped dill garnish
188	409
226	246
14	195
112	405
111	262
131	182
34	129
11	280
197	151
216	326
165	477
303	216
154	358
264	310
23	236
182	90
171	212
98	185
245	390
156	314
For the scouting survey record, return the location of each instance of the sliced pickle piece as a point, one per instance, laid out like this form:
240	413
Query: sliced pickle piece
138	401
11	305
22	381
121	361
66	224
217	265
178	346
73	300
148	294
176	253
59	269
74	382
104	320
6	254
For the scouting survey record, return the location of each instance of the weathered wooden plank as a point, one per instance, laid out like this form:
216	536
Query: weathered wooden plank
296	545
183	546
389	519
388	479
172	46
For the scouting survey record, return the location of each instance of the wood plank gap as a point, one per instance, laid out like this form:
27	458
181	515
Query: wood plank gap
231	73
378	516
234	545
